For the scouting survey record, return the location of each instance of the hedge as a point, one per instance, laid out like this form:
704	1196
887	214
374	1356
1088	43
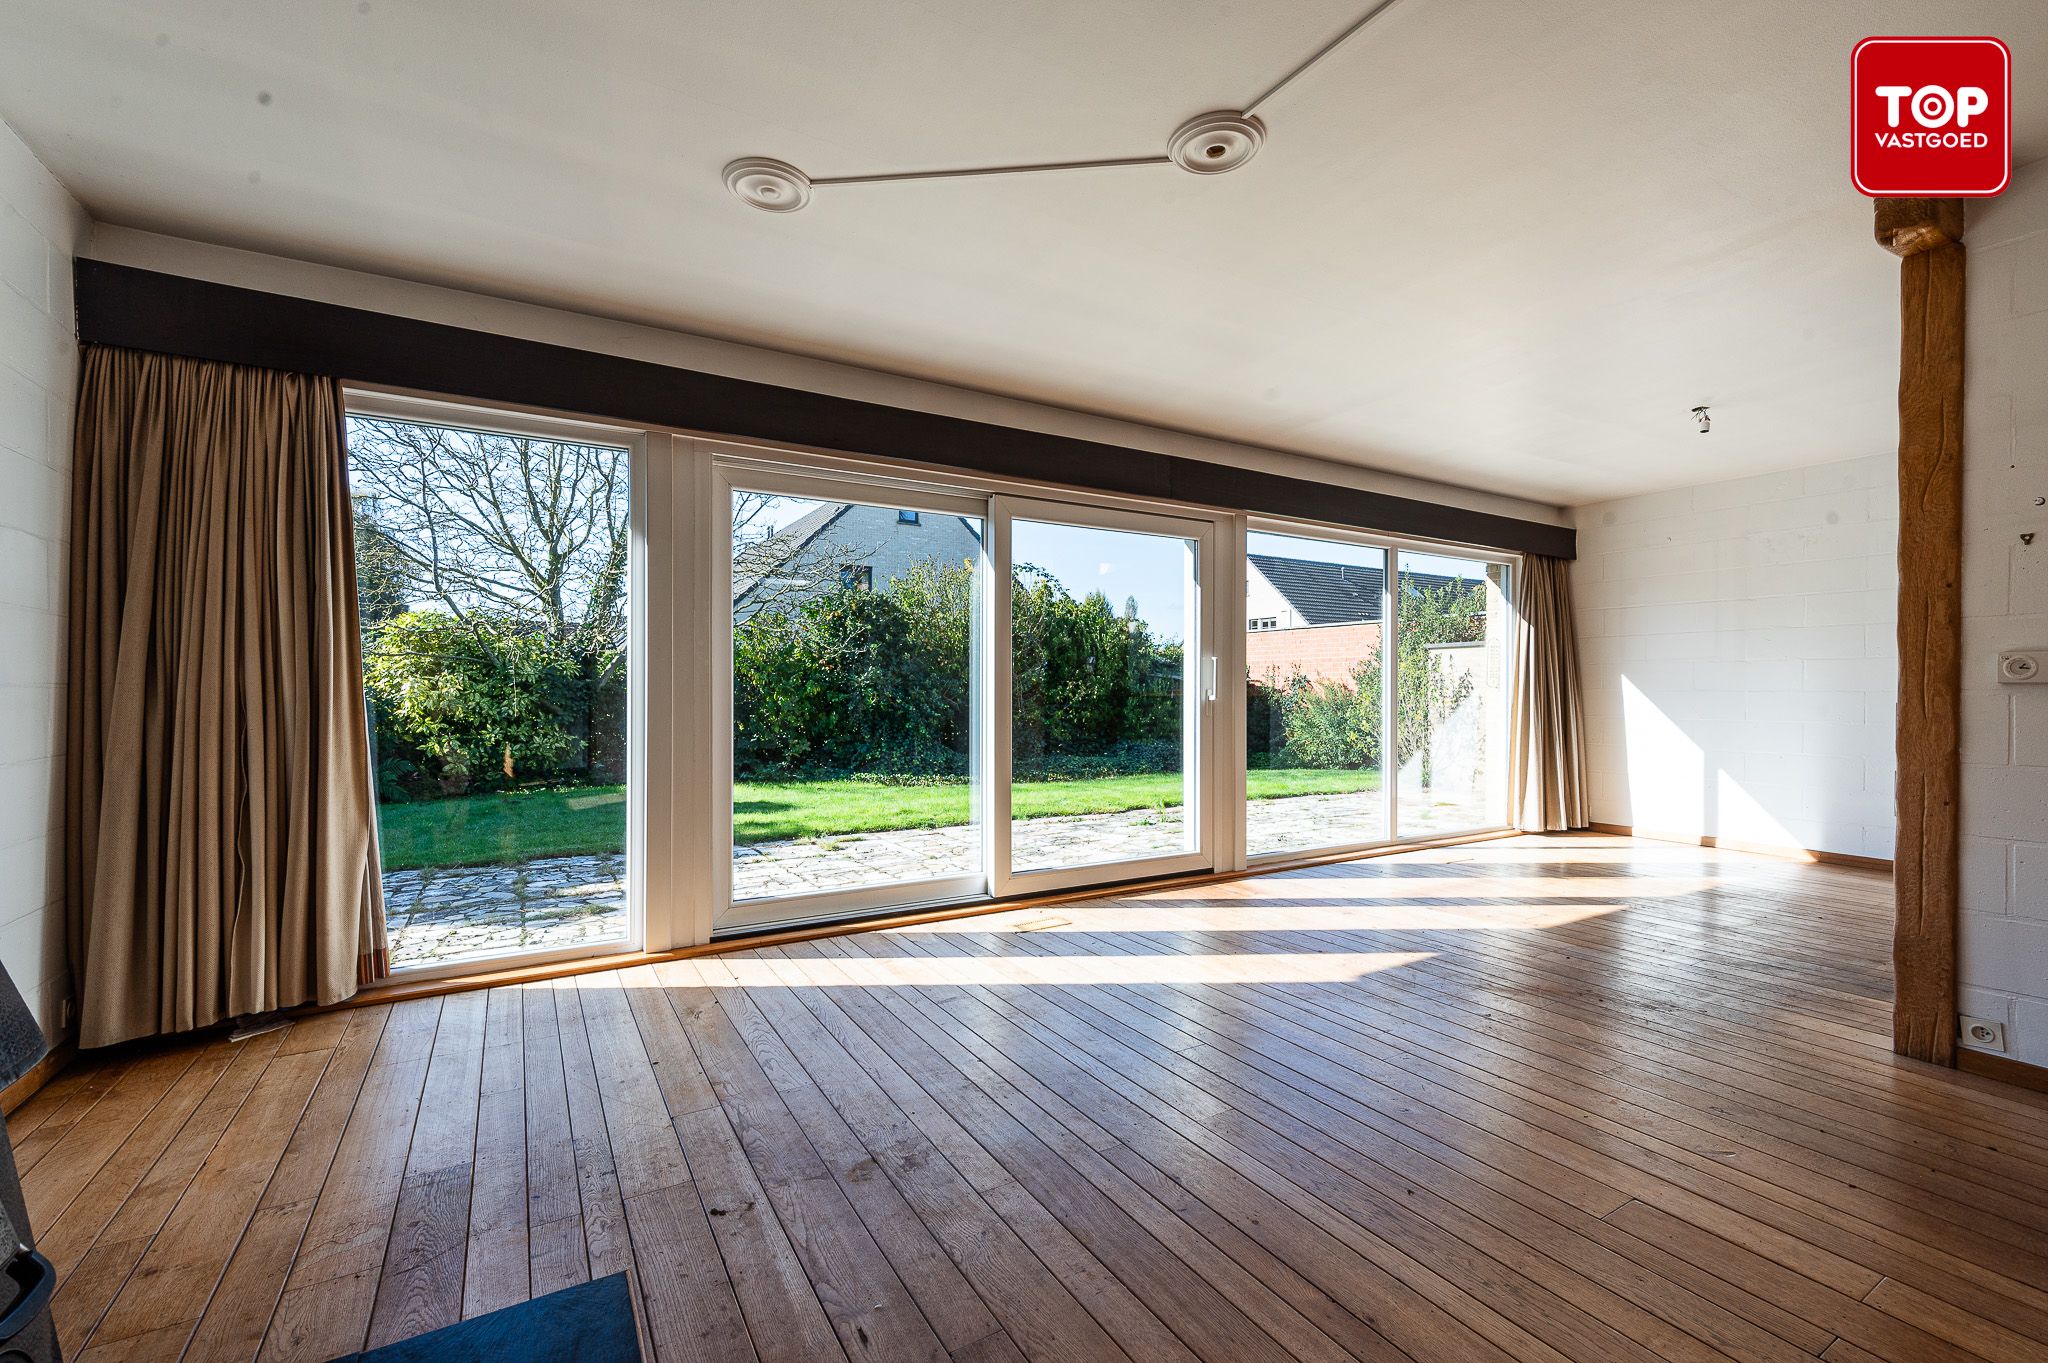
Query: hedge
874	684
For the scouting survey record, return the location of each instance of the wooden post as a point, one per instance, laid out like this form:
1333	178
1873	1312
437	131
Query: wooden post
1927	235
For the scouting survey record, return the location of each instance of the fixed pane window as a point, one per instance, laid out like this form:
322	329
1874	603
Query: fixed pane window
1451	697
1313	688
493	580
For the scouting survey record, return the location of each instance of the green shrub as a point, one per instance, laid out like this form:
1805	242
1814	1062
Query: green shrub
1331	724
1131	757
1328	724
854	681
480	701
875	683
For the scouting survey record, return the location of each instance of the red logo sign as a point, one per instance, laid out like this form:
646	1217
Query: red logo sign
1930	118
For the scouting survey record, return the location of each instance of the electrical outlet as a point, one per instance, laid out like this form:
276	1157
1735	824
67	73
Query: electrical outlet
1981	1033
2023	666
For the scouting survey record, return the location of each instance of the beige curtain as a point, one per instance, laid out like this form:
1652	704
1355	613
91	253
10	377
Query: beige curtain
1547	754
221	855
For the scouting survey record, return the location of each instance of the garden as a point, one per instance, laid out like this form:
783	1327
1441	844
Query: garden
507	826
492	580
851	714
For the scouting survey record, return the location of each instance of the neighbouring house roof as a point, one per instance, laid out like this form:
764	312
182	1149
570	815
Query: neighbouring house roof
778	553
1325	593
1336	593
784	545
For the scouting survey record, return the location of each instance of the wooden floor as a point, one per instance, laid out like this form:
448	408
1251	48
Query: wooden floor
1534	1099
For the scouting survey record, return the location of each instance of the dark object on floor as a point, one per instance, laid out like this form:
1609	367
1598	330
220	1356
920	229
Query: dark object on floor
589	1323
26	1278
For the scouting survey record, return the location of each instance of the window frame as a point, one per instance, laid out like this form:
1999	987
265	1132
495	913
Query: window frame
679	824
1199	752
647	789
1392	546
733	917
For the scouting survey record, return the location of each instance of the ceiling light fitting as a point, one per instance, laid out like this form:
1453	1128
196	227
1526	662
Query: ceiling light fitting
1207	144
1702	420
768	184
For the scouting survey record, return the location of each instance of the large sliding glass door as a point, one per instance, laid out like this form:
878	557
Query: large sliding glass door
642	688
858	694
1375	710
1104	692
935	697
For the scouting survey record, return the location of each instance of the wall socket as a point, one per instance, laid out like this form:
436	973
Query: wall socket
1981	1033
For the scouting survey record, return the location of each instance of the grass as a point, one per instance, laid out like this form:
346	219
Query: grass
485	830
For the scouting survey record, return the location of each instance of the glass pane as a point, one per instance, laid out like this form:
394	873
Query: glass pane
492	574
1100	622
1314	617
853	695
1452	623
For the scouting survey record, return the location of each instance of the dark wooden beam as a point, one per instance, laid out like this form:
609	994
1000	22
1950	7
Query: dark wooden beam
1927	235
1906	227
119	305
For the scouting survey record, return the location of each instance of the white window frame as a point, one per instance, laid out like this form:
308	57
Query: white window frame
648	595
741	473
1200	668
679	746
1392	546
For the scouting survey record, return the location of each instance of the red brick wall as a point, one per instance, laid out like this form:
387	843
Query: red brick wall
1320	653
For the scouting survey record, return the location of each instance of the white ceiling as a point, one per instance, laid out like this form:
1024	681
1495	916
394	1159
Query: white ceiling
1494	242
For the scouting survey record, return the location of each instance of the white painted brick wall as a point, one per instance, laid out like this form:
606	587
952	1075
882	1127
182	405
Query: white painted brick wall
1737	643
41	228
2003	970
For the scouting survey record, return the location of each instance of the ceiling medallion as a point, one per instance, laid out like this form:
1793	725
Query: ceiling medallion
1207	144
768	184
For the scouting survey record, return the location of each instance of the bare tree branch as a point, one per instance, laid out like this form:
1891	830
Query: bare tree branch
514	525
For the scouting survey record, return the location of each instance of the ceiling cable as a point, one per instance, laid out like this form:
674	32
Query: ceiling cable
1207	144
1030	169
1325	50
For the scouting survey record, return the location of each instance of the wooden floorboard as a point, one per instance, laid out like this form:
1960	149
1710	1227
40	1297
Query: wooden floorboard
1579	1098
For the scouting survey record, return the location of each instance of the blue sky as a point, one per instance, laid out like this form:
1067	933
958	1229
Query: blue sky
1121	565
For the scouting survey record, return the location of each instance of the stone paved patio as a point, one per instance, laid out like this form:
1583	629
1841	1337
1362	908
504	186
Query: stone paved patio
554	902
856	860
433	917
1307	821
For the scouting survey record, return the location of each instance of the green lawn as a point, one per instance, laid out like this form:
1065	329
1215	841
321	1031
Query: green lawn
482	830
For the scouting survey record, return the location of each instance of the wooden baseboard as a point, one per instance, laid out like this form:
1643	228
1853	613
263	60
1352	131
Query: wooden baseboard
2003	1068
398	991
39	1074
1756	848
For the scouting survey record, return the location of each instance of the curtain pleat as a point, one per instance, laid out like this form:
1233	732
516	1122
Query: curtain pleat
222	857
1547	757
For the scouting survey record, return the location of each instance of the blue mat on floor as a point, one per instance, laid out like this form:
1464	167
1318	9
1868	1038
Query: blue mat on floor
589	1323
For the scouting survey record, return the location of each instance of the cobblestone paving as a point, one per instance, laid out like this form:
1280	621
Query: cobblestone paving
469	911
1302	822
555	902
855	860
